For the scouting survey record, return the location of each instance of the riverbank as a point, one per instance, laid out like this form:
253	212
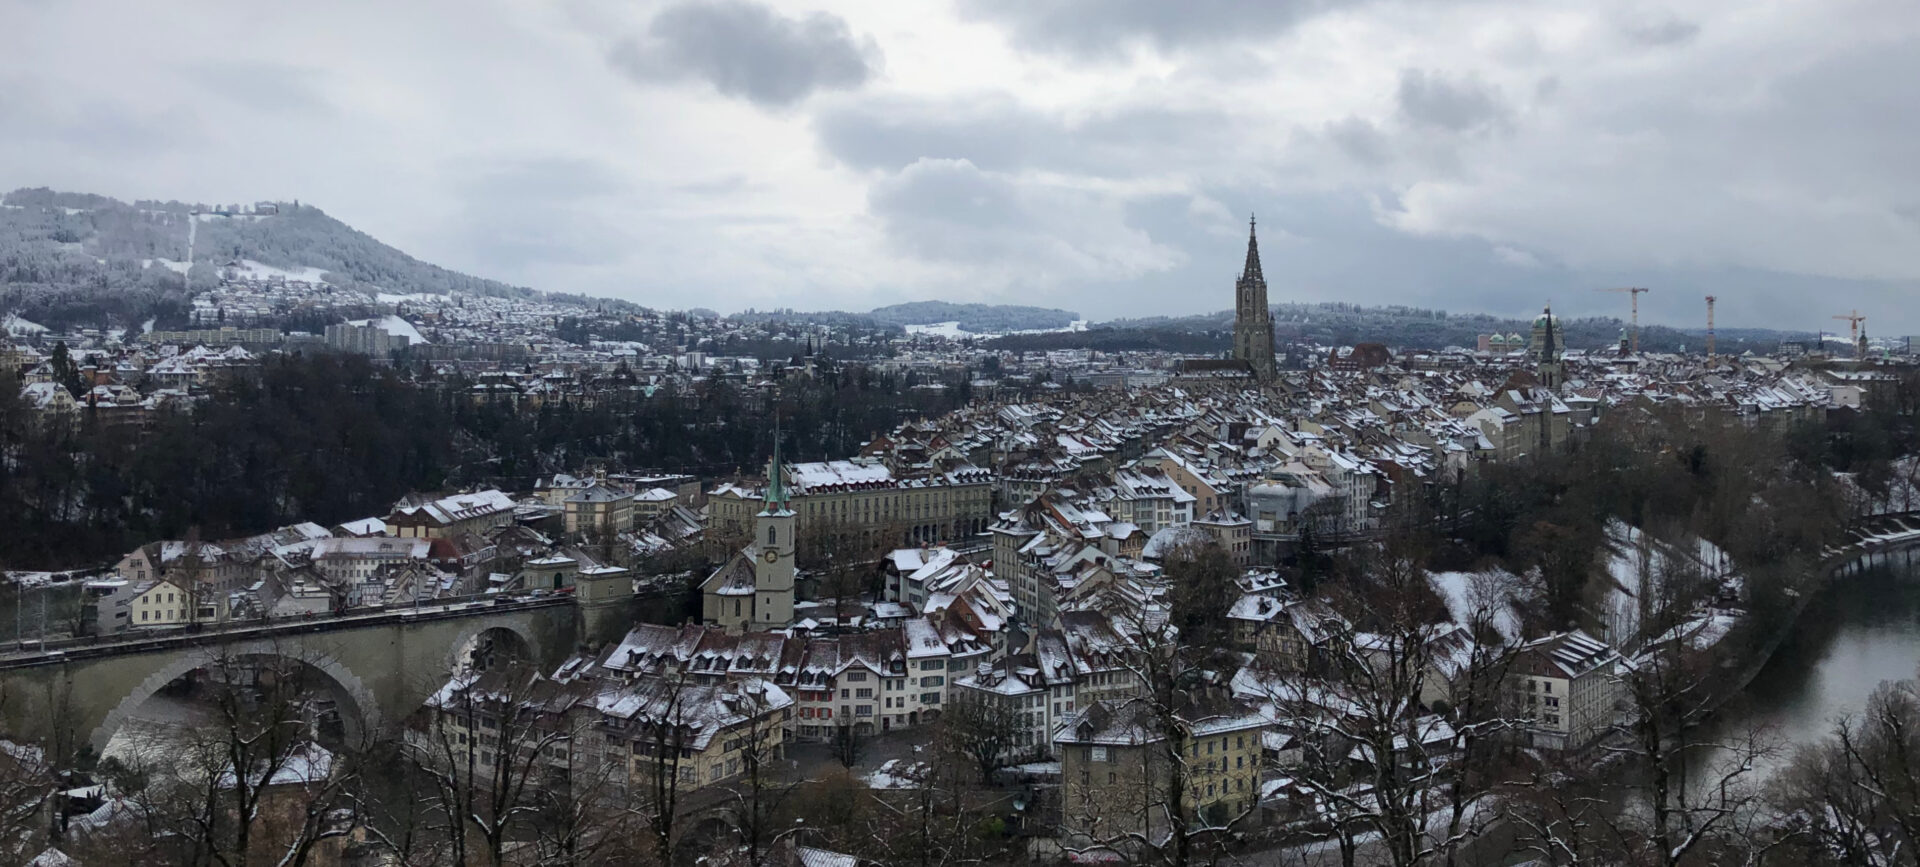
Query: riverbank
1832	569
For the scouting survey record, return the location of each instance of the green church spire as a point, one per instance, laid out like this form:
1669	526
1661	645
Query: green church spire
776	476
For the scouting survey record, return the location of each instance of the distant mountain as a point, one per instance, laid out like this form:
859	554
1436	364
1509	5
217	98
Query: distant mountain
75	259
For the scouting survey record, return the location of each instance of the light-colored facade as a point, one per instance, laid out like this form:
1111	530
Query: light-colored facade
599	509
1566	687
869	503
1121	775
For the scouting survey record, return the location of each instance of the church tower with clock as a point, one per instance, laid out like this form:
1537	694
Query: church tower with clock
753	590
773	572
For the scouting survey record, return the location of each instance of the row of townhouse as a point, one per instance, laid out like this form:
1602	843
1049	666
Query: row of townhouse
867	682
604	738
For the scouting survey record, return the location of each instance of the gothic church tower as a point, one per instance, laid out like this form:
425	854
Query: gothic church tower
1253	320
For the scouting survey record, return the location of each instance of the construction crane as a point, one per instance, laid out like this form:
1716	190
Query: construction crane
1854	318
1634	293
1710	300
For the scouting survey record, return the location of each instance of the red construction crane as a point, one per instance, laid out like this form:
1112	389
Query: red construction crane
1854	318
1634	293
1710	300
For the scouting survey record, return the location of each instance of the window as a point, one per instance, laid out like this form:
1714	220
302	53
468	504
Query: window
934	680
929	698
1097	754
863	692
856	676
864	710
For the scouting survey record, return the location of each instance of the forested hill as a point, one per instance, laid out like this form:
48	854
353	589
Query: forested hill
972	318
1342	324
78	259
975	318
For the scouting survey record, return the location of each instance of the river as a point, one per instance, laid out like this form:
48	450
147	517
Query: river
1862	630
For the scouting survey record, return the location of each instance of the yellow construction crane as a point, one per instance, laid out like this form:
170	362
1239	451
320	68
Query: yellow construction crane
1634	293
1710	300
1854	318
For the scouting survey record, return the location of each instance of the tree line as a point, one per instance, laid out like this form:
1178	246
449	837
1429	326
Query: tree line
333	438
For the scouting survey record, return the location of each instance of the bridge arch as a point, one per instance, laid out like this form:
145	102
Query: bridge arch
359	711
491	637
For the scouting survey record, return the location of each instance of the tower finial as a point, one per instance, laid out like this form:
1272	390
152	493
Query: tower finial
1251	271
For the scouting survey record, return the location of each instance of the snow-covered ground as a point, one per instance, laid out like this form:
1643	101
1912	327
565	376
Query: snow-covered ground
22	328
1638	563
262	271
169	264
396	326
952	330
1902	495
40	579
1465	592
417	297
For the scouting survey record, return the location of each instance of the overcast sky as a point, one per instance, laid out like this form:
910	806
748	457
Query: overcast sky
1100	155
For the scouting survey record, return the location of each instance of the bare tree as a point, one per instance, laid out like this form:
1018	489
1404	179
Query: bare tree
490	746
663	753
250	782
1855	795
1366	702
1695	787
1178	698
983	734
26	793
756	797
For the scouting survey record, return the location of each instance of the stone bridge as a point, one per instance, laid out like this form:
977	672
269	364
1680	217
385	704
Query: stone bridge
380	667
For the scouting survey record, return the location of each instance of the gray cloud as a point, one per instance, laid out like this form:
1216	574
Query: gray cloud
1023	233
998	133
1359	139
1463	104
268	87
745	50
537	211
1668	31
1106	28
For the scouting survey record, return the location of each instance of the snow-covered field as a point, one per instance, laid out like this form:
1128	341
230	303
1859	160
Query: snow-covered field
169	264
18	327
261	271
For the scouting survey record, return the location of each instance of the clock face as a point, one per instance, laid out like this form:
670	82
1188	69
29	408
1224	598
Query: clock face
773	556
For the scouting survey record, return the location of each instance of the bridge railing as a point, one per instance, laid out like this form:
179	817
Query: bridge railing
33	652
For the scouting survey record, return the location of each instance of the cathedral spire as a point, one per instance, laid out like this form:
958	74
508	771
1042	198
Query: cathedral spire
1252	269
776	499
